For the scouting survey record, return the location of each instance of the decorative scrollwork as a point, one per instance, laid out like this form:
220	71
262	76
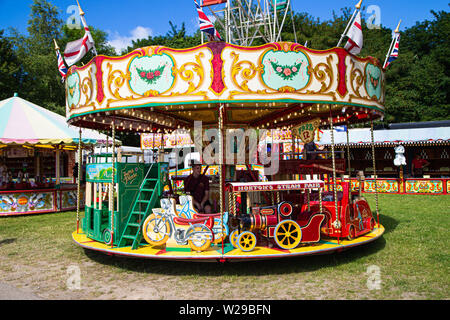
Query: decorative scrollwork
187	73
247	70
356	81
323	73
115	81
87	91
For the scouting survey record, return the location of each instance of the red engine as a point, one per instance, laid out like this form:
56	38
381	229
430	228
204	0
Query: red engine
276	222
353	218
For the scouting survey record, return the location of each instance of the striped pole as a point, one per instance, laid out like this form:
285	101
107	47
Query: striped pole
221	168
113	178
79	180
337	222
374	172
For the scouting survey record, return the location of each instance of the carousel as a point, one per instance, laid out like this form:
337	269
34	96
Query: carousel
225	94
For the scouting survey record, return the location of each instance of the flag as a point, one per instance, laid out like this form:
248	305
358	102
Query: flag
394	53
88	32
341	128
76	50
206	25
61	65
355	36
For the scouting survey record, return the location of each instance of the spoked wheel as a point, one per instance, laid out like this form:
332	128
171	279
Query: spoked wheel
156	230
288	234
246	241
234	237
199	237
107	236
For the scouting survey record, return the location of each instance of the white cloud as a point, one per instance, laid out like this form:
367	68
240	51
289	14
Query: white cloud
119	42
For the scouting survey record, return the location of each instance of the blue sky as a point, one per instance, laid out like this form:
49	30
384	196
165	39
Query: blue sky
127	20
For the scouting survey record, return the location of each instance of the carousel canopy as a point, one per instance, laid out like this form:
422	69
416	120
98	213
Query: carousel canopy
276	85
25	123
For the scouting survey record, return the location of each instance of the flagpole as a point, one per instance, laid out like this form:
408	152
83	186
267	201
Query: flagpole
358	6
396	31
201	33
56	45
86	27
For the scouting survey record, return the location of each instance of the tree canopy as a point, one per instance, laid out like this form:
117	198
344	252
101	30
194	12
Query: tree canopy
417	82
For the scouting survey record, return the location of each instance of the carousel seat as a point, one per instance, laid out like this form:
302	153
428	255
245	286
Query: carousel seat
186	222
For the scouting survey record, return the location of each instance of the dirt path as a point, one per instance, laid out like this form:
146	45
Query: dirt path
9	292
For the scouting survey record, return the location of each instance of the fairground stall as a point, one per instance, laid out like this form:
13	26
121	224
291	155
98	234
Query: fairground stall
227	96
395	150
37	158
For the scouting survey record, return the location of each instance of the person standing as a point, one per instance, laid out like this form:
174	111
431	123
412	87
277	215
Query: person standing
417	166
197	185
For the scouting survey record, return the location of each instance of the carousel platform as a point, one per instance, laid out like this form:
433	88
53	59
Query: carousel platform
228	252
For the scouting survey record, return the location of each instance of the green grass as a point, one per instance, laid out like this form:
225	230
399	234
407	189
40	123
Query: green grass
412	256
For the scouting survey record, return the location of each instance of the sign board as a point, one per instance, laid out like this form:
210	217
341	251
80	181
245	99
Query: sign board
305	130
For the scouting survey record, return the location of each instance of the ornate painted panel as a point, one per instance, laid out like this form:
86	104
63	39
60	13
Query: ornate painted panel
424	186
186	83
383	186
12	203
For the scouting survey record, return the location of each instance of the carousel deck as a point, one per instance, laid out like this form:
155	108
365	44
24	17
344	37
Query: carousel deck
227	253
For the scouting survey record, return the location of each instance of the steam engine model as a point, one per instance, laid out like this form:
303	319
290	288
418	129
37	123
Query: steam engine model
275	223
354	217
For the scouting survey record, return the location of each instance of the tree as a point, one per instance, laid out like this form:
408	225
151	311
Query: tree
418	81
40	81
9	68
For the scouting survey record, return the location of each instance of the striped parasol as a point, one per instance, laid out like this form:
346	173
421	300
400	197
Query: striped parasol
25	123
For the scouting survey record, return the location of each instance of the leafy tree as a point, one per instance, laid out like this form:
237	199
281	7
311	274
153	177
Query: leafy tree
9	68
417	82
40	81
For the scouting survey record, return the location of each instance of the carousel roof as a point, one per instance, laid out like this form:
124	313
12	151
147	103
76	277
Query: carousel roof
276	85
25	123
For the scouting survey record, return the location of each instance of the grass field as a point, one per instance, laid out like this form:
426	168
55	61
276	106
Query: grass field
410	261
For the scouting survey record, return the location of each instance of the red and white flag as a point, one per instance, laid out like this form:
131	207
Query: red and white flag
76	50
355	36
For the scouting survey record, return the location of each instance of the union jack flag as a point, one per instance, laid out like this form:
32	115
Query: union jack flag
61	65
206	25
394	53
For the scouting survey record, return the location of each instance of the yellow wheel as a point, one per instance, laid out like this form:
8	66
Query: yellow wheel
199	237
234	237
246	241
288	234
156	230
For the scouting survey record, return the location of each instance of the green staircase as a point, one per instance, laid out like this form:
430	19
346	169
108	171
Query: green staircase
146	199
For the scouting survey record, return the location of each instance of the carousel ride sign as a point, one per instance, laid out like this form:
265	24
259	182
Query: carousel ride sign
305	131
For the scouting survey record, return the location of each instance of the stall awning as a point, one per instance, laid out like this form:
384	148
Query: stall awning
25	123
411	136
